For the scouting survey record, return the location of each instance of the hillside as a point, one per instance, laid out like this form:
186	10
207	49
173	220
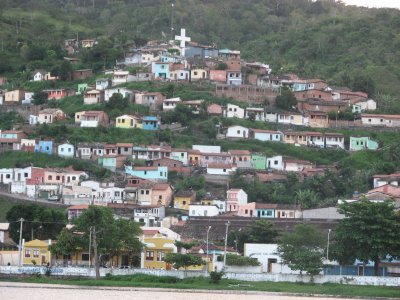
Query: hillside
348	46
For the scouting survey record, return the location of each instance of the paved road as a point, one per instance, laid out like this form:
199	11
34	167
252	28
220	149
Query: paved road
24	291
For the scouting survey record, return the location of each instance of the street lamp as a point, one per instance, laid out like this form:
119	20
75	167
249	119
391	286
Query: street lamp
226	242
327	248
208	230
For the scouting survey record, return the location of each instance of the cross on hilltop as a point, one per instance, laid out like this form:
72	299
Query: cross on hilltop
183	39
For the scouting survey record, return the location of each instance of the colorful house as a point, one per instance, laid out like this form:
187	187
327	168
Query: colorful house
57	93
158	174
11	139
111	162
82	87
154	250
160	70
36	253
66	150
127	121
183	199
258	162
50	115
362	143
45	147
235	198
150	123
265	135
93	97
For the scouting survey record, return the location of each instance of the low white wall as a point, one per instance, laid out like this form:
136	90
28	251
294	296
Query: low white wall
238	269
356	280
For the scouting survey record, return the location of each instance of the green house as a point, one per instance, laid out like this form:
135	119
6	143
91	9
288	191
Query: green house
258	162
362	143
82	87
108	162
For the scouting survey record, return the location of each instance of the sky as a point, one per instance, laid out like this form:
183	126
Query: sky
374	3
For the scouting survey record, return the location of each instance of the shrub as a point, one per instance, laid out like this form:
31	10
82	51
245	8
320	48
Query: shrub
216	277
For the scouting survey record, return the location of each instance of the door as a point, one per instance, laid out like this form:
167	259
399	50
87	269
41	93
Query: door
270	262
360	270
43	259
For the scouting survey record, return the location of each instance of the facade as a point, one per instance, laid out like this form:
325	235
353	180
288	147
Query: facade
36	253
198	74
239	132
128	94
66	150
233	111
154	100
258	162
218	76
275	163
102	84
380	120
235	198
150	123
127	121
265	135
362	143
154	250
82	74
180	155
13	97
241	158
170	104
45	147
11	139
157	174
318	119
200	210
183	199
161	70
50	115
233	77
221	169
92	118
93	97
57	93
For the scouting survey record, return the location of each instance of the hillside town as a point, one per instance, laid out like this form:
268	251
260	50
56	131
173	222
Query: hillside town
155	183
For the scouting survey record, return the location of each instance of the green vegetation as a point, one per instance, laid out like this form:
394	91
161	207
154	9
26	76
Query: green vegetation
142	280
238	260
9	119
5	206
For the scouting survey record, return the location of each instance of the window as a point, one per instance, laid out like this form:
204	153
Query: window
85	256
275	162
160	255
73	177
116	194
369	120
269	212
161	174
160	197
57	177
142	192
8	176
50	177
184	202
35	253
195	73
149	255
238	132
147	192
27	253
246	211
224	170
381	120
26	175
145	172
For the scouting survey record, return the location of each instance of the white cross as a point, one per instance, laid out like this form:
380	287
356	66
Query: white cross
183	39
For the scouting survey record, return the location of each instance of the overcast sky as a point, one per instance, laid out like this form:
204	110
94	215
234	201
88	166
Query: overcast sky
374	3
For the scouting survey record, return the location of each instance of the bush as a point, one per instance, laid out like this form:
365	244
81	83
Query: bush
215	277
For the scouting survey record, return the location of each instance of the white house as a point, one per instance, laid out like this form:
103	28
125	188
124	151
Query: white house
361	106
150	215
380	120
170	104
6	175
66	150
120	77
234	77
103	83
255	112
33	120
221	169
179	75
235	198
266	135
180	155
275	163
237	132
334	140
199	210
271	117
266	254
392	179
126	93
233	111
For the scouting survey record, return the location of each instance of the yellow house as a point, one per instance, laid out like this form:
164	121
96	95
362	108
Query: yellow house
292	137
154	250
14	97
183	199
81	258
127	121
194	157
36	252
198	74
78	116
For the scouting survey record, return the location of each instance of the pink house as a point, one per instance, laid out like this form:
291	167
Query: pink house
161	194
57	93
214	109
247	210
218	76
235	198
63	177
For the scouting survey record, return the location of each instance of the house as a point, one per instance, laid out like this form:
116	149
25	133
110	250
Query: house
36	253
127	121
229	54
57	94
321	95
241	158
28	145
82	88
275	163
296	138
124	149
75	211
154	250
198	74
235	198
66	177
233	77
247	210
258	162
194	157
180	155
265	135
200	210
82	74
334	140
194	105
255	113
66	150
179	75
126	93
91	118
233	111
380	120
291	118
150	123
88	43
154	100
296	165
392	179
209	200
13	97
161	70
207	148
170	104
183	199
362	143
149	215
93	97
200	51
77	195
238	132
103	83
50	115
11	139
157	174
221	158
162	194
363	105
120	77
214	109
41	75
172	164
218	76
89	150
318	119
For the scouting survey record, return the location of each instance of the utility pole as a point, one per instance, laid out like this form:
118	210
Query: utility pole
96	258
20	243
90	247
226	243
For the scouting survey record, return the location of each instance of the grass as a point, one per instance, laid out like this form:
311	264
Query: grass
142	280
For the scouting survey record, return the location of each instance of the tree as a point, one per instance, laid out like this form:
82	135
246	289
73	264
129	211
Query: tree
179	260
40	98
370	231
286	100
117	101
303	249
67	243
306	198
109	236
39	222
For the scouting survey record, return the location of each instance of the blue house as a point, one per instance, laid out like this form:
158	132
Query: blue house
265	135
265	210
158	174
44	147
150	123
160	70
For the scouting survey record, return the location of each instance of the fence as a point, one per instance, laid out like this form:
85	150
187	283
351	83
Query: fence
86	272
